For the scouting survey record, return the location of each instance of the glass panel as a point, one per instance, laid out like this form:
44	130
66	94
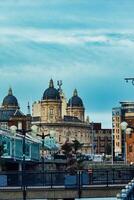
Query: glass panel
18	148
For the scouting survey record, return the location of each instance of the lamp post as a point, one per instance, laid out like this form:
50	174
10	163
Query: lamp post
123	128
92	132
42	135
130	79
126	131
23	133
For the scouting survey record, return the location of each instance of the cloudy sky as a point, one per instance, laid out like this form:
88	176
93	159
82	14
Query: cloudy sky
88	44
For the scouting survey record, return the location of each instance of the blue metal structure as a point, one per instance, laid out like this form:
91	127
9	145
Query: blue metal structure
13	146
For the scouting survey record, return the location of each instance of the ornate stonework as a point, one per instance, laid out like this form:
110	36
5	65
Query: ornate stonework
66	120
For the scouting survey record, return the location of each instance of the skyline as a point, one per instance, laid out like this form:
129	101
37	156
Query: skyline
88	45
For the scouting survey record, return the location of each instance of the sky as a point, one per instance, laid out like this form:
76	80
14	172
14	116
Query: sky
88	44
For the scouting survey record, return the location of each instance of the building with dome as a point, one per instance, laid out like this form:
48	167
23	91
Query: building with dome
10	113
75	107
66	119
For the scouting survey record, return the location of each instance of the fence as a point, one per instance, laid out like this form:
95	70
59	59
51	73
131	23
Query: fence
66	179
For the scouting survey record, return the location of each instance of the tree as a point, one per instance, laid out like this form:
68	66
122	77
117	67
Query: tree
76	145
67	148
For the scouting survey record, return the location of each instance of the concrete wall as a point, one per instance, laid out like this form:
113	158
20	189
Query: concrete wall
60	193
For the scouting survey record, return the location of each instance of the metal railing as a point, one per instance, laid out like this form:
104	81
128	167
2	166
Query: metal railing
77	179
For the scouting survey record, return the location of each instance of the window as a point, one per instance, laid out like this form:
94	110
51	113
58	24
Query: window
117	144
130	148
51	111
19	125
4	125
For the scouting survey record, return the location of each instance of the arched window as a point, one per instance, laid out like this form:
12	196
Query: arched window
51	111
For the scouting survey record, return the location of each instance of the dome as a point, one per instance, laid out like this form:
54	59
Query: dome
51	92
75	101
10	100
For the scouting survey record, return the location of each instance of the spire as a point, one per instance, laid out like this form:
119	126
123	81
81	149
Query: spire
75	93
51	84
10	91
28	108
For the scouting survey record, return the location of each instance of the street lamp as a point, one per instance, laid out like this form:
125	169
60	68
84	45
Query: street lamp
130	79
126	131
23	133
42	135
92	132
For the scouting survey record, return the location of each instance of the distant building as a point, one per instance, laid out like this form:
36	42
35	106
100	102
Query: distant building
10	113
102	140
65	119
123	113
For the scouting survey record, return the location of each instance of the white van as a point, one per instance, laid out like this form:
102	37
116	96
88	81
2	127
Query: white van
98	158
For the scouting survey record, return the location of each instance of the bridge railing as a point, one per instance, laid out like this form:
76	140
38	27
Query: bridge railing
63	178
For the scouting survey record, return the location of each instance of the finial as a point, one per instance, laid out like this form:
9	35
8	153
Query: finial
51	84
75	93
59	83
10	91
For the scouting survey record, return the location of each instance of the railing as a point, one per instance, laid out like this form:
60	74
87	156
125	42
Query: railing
77	179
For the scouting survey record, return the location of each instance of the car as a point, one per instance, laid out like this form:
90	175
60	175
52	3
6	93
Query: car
48	157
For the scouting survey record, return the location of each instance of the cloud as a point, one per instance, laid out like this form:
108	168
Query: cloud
87	44
68	37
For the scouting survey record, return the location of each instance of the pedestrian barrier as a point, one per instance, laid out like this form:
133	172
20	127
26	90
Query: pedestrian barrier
81	178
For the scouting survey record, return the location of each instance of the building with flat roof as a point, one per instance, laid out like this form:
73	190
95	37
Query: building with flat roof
120	114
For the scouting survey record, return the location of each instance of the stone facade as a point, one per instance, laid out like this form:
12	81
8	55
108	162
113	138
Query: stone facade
66	120
76	112
51	111
68	131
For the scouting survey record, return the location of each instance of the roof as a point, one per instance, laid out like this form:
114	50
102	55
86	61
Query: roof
6	114
71	119
51	93
10	100
75	100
